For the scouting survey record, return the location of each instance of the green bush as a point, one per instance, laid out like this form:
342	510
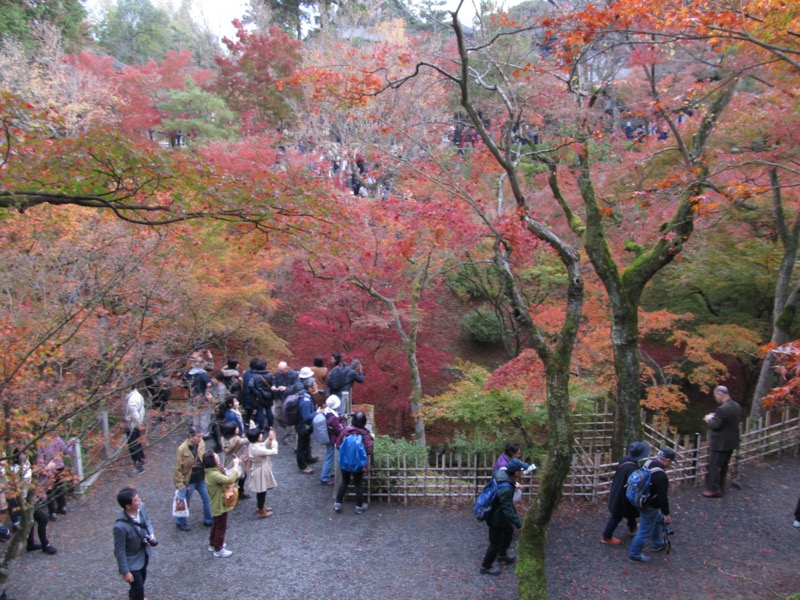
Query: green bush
483	326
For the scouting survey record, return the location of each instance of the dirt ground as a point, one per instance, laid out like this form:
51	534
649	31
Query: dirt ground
740	546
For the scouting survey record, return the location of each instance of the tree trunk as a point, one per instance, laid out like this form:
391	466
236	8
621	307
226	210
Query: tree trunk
785	307
627	367
532	547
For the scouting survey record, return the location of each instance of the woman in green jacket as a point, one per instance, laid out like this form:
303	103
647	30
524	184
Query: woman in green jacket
216	480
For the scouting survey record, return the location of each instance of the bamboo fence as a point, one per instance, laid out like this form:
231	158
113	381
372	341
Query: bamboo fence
456	479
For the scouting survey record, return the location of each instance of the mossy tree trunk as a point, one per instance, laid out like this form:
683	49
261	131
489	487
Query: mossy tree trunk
786	299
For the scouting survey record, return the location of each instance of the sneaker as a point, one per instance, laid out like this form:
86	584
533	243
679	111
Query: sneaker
796	524
362	508
710	494
659	548
307	470
62	511
642	559
634	531
494	571
49	549
182	526
610	541
224	553
327	482
53	517
311	460
32	547
337	507
211	548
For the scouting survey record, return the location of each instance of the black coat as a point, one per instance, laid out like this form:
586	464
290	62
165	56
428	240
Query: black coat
724	427
618	504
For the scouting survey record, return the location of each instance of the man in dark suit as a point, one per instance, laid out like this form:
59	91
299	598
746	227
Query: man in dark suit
723	425
133	538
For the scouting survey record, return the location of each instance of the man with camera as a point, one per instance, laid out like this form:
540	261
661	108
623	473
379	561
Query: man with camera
133	538
723	425
655	512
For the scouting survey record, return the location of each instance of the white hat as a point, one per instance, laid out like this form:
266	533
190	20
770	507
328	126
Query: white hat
333	402
305	373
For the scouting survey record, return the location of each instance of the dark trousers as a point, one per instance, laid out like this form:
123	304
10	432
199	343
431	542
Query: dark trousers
499	541
718	470
57	494
216	536
612	523
135	447
797	511
358	480
303	448
136	591
40	517
261	498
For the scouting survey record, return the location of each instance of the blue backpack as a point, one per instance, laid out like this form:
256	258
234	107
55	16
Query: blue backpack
352	454
485	500
638	486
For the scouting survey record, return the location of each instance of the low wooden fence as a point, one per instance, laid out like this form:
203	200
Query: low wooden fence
449	479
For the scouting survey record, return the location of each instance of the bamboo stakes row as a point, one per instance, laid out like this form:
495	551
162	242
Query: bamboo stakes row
456	479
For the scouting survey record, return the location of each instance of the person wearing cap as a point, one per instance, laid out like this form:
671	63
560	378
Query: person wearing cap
655	512
504	519
307	409
335	423
723	425
618	504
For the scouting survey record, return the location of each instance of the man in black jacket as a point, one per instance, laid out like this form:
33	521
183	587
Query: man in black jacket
724	439
504	518
261	392
655	512
618	504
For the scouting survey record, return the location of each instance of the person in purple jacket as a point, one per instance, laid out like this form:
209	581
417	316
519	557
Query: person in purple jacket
513	450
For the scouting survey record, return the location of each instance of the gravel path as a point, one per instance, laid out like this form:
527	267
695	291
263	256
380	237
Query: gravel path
729	548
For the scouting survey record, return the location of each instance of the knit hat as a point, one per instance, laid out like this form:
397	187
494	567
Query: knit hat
333	402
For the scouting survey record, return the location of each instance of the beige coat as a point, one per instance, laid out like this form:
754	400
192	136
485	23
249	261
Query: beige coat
259	467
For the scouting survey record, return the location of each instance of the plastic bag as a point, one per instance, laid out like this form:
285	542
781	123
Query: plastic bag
180	508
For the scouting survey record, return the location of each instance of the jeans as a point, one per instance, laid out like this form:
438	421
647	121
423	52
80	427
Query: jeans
327	463
187	495
651	526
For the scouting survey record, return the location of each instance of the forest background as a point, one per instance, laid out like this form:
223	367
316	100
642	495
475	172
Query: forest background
506	221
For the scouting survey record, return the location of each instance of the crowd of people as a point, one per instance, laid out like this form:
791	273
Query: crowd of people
239	415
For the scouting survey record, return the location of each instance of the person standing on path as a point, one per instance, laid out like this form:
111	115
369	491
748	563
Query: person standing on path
655	512
216	481
189	475
259	467
134	423
723	424
618	504
306	409
357	428
133	538
504	518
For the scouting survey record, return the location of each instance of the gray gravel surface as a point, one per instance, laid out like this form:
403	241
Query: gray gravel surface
736	547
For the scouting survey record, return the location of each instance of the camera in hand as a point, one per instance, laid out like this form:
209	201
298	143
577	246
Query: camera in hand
668	529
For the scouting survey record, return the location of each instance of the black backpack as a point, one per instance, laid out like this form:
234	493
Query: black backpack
337	379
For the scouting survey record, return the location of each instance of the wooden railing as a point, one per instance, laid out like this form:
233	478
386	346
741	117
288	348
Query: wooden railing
447	479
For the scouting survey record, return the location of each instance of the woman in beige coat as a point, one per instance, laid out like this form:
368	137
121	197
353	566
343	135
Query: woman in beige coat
259	468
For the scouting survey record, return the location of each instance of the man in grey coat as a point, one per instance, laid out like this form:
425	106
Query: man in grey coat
133	538
723	424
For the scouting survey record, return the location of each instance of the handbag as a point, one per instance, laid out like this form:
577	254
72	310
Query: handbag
230	496
179	507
